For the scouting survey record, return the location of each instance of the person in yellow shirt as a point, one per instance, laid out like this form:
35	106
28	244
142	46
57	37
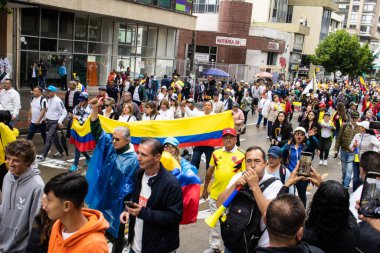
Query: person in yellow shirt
224	164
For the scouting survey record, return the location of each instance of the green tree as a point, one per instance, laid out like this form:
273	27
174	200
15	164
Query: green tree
4	7
343	52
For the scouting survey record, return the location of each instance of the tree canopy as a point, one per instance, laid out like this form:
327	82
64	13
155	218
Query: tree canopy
343	52
4	7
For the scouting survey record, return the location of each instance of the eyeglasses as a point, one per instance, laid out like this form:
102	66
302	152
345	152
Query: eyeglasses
147	107
115	139
107	105
299	133
167	145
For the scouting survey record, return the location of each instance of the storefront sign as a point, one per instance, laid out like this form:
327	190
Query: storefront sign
202	57
273	46
227	41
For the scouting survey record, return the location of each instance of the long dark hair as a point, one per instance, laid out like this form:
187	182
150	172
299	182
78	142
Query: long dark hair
328	212
44	224
277	123
6	118
305	123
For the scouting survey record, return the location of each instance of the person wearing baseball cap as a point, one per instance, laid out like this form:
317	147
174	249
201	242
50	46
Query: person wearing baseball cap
342	144
275	168
55	115
225	163
292	153
327	128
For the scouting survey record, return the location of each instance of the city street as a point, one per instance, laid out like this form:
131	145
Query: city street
194	237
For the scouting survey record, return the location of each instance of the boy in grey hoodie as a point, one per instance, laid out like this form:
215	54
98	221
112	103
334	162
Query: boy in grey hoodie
22	193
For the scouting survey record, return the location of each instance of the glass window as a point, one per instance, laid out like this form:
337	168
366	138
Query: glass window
122	38
131	34
353	18
152	36
94	28
126	50
170	43
30	21
65	46
48	45
27	60
164	3
99	48
367	19
146	51
66	25
81	22
49	23
80	66
161	46
103	68
30	43
145	65
164	67
80	47
107	30
355	8
142	34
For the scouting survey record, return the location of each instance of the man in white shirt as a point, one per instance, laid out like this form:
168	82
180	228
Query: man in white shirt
217	105
36	115
254	176
188	107
369	162
55	115
10	99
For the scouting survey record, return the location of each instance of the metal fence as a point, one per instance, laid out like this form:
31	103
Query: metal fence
240	71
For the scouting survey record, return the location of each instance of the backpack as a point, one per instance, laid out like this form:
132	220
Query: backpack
282	172
43	102
241	230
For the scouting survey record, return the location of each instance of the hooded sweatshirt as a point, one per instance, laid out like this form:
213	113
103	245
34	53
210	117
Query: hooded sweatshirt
89	238
21	203
302	247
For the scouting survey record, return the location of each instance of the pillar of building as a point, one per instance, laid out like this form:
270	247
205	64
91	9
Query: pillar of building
234	17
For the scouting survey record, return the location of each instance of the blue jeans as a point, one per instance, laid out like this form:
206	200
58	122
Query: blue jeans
197	154
259	120
347	159
77	156
33	129
357	181
301	189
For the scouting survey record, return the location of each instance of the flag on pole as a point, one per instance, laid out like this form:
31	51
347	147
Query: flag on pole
362	84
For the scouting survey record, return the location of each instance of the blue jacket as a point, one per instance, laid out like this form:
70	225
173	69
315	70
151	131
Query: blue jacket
111	179
293	155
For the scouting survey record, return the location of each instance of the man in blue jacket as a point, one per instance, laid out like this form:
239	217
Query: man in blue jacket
156	211
111	175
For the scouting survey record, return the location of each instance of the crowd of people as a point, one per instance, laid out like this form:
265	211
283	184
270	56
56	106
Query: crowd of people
268	211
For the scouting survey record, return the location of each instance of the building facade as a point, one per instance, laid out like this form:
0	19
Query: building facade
93	37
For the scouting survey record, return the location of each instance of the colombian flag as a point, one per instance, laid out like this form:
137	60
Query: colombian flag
196	131
362	84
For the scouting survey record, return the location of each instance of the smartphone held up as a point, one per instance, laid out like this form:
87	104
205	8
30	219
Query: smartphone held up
370	198
305	164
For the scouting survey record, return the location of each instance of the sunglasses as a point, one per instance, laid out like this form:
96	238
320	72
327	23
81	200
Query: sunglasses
167	145
107	105
299	133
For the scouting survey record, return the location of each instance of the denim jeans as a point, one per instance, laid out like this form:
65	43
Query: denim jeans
259	120
33	129
347	159
77	156
197	154
301	189
357	181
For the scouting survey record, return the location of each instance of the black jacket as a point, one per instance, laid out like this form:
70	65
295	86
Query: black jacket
286	133
161	215
345	243
369	241
302	247
75	100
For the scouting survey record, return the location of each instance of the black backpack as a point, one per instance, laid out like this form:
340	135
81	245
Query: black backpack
241	230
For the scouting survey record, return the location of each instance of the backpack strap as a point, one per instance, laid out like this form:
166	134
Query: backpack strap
266	183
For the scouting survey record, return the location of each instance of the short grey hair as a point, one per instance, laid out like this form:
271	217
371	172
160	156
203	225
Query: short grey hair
125	130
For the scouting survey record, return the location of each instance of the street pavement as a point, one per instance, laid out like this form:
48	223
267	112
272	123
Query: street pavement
194	237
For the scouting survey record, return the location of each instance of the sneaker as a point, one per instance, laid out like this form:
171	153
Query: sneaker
268	137
325	162
40	158
211	250
320	162
257	126
73	168
58	154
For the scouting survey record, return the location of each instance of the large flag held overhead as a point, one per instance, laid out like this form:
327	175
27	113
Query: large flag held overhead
196	131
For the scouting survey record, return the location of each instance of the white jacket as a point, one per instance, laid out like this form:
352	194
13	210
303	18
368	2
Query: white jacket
367	142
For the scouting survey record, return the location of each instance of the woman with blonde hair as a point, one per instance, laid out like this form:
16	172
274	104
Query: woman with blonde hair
108	111
174	106
127	113
165	112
